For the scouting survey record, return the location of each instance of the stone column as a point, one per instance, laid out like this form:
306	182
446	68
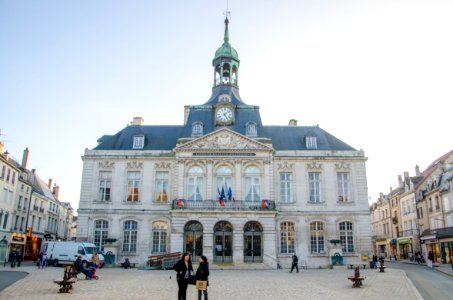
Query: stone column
238	193
180	182
209	177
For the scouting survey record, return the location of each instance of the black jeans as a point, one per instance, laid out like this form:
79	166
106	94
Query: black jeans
182	285
294	266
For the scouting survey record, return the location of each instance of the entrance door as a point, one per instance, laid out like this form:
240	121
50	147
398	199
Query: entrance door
253	246
193	239
223	242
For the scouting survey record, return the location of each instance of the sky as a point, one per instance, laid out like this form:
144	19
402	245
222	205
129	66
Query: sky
376	74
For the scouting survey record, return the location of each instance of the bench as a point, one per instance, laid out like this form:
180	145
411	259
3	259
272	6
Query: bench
356	279
352	266
68	280
164	261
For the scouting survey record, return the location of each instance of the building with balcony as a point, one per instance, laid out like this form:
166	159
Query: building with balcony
225	185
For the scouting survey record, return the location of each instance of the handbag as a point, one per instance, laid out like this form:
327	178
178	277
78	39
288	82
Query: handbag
191	280
201	285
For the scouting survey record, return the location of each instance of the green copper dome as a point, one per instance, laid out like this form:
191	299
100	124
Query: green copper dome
226	50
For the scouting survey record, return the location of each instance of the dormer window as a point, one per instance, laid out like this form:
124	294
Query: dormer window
311	142
224	98
139	142
250	129
197	129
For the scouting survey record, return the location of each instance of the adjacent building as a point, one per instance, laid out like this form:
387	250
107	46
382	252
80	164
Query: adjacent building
225	185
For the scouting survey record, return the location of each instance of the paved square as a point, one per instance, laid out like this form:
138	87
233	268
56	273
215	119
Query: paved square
224	285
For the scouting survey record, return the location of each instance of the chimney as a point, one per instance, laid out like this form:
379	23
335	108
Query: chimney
6	155
417	170
293	122
400	181
56	191
137	121
381	195
1	147
391	189
406	175
50	184
25	158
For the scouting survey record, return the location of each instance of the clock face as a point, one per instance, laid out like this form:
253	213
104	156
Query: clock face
224	115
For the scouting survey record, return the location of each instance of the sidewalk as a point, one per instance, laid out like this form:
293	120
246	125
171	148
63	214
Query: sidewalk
224	285
443	268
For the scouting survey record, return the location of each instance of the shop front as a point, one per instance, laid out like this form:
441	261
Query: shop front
430	243
17	243
32	247
445	237
381	248
404	247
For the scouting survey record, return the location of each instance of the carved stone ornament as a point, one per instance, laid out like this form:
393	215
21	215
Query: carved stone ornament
314	166
224	139
343	166
106	164
135	165
285	166
162	165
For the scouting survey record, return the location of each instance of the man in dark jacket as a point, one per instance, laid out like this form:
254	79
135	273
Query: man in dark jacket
294	265
78	265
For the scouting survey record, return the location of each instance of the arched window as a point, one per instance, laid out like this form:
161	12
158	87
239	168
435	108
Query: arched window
130	236
193	239
101	231
287	235
252	184
250	129
159	237
224	180
346	236
317	237
197	129
195	184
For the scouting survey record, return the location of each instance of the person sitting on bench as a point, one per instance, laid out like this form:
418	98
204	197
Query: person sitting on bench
78	265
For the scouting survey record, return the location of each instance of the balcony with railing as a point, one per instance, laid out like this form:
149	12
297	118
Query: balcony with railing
409	232
238	205
35	207
41	209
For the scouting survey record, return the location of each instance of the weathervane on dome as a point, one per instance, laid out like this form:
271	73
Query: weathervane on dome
227	13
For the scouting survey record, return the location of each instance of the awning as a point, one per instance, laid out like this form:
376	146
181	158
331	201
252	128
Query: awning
445	232
428	237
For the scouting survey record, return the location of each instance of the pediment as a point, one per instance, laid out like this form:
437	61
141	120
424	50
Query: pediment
224	139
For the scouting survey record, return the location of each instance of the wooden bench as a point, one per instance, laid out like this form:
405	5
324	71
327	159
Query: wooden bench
356	279
68	280
352	266
164	261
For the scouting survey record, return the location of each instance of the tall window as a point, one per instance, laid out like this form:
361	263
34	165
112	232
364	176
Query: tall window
161	187
133	181
317	237
5	220
130	236
252	184
3	172
197	129
105	184
223	180
139	142
195	184
287	235
250	129
159	237
343	187
314	181
13	180
8	175
286	187
101	230
346	236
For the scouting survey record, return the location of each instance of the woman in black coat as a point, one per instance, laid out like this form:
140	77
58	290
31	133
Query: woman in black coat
202	274
183	270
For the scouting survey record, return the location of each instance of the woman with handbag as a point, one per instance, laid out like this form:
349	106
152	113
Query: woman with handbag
202	277
183	270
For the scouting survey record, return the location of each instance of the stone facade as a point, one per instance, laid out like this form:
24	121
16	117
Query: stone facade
226	187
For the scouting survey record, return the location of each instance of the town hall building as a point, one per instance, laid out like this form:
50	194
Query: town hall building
225	185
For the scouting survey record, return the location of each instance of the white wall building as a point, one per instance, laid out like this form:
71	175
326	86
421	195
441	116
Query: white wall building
226	186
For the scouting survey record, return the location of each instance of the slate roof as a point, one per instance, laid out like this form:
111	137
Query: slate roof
165	137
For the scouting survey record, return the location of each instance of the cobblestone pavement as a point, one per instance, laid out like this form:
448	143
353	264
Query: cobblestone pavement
224	284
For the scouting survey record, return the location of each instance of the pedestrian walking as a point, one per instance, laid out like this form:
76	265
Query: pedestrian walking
294	264
430	259
13	258
43	259
375	260
202	274
184	272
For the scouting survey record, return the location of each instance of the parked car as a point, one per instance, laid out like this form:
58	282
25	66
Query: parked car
67	252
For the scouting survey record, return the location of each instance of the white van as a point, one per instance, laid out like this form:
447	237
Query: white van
67	252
